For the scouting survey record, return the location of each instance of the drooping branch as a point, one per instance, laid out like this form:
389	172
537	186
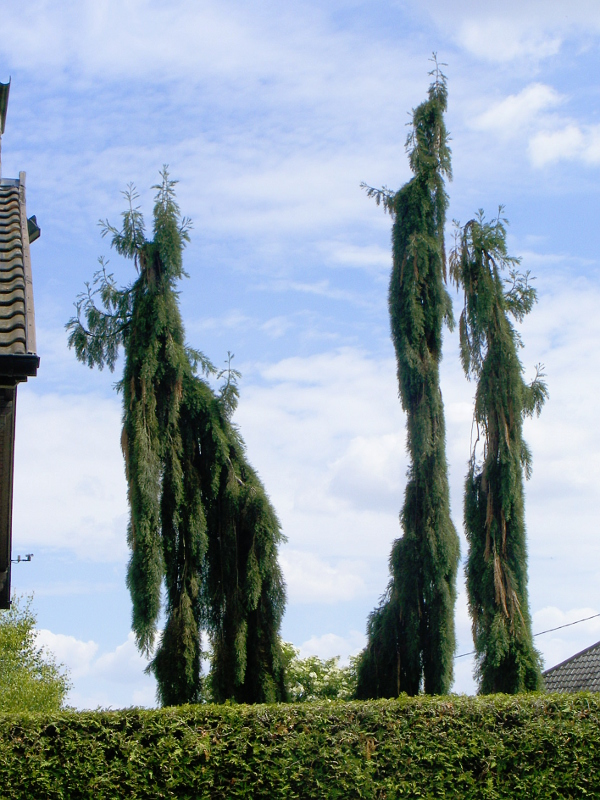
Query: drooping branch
384	197
96	332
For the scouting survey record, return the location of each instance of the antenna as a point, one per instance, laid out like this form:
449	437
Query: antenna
21	559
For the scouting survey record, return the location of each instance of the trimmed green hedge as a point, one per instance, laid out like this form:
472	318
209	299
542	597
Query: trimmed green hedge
529	746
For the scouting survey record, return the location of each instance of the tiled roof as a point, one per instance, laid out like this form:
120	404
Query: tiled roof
580	673
13	330
17	322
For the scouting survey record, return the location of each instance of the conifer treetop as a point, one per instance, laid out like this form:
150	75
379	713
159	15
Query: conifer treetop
429	155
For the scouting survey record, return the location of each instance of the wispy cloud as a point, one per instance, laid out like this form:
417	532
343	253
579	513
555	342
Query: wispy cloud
117	674
505	31
518	111
322	288
572	142
73	653
551	137
67	447
372	258
330	645
309	579
502	39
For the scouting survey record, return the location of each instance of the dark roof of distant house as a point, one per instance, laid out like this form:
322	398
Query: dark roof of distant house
580	673
17	320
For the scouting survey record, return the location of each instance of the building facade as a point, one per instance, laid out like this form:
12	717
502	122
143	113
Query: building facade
18	351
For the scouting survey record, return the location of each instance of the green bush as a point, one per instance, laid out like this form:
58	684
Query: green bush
30	678
529	746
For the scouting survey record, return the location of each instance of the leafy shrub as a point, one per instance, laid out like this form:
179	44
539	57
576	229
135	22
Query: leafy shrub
527	746
30	680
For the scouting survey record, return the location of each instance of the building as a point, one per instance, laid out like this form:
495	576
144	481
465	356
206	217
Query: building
580	673
18	358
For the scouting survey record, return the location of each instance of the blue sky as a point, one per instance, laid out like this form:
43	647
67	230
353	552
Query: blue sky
270	116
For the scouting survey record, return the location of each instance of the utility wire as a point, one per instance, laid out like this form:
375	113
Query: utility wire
541	633
567	624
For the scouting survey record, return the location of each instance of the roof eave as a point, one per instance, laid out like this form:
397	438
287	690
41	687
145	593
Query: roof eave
4	92
17	367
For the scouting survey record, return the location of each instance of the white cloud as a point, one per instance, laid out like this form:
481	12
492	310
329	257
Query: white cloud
143	37
300	421
502	31
233	319
69	486
330	645
135	38
321	288
298	83
551	138
101	679
372	258
573	142
124	664
238	50
518	111
370	473
310	580
75	654
276	327
500	39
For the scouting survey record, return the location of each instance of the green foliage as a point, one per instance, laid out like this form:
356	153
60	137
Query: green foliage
200	520
543	747
411	635
494	503
383	669
310	678
244	591
30	679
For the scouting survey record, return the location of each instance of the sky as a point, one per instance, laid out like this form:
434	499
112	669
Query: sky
270	116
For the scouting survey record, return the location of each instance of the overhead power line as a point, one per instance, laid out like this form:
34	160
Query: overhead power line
541	633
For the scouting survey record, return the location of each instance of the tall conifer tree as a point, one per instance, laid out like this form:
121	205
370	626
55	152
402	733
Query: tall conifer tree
200	520
494	504
411	638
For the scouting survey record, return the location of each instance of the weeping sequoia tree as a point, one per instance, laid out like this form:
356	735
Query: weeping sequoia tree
494	505
411	639
200	520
